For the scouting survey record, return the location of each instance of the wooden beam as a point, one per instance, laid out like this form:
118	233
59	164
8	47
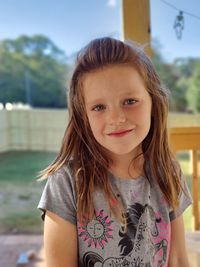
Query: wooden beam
136	22
195	191
188	138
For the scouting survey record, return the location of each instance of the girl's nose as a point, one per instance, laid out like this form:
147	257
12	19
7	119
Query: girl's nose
116	116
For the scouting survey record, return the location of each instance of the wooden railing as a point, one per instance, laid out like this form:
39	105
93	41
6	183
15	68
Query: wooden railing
188	138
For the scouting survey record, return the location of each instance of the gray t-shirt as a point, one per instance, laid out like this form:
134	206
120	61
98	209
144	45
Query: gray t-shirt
102	241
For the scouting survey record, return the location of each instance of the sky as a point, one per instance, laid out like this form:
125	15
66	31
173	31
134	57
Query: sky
71	24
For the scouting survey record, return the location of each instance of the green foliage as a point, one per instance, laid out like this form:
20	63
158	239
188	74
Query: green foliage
182	78
33	70
179	101
186	66
194	92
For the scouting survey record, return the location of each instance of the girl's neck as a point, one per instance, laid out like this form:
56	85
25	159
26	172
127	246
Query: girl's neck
128	169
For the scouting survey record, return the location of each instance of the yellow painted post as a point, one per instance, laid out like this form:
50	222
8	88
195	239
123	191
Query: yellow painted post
136	22
195	190
188	138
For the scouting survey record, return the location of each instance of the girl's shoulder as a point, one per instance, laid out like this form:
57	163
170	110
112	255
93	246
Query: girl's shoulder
59	194
65	171
63	177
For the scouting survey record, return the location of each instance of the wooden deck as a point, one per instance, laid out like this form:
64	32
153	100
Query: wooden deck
12	246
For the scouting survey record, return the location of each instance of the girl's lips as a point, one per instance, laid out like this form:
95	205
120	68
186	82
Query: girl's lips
119	134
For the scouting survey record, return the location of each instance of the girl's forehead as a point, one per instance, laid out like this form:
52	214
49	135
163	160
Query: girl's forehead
114	75
111	74
115	81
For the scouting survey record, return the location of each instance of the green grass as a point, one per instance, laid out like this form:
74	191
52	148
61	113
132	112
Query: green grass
20	191
22	167
22	222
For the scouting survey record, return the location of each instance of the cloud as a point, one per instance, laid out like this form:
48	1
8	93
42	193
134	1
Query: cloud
112	3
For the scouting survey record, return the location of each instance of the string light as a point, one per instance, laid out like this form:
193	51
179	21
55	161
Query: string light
179	20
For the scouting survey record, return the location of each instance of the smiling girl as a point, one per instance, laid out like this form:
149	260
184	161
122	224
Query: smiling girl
115	194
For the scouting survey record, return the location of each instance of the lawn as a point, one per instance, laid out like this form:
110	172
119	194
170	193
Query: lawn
20	191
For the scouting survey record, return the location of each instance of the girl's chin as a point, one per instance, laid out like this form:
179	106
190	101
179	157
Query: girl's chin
124	153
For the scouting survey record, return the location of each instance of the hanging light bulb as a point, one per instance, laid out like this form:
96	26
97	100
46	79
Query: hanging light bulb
179	25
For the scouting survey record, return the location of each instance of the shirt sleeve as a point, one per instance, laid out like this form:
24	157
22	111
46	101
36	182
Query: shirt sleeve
185	200
59	196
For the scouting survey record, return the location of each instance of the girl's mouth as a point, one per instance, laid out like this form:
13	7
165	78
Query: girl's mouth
120	133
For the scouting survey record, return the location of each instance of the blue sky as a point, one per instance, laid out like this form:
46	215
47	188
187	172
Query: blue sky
73	23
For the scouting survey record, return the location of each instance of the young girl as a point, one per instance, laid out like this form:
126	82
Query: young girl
115	194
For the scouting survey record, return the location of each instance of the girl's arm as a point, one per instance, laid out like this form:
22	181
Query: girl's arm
178	254
60	242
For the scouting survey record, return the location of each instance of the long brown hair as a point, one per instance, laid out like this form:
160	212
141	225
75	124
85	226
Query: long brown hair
90	161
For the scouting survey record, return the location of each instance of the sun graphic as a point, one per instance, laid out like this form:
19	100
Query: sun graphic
98	232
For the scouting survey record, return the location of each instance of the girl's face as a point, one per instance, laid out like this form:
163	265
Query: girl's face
118	108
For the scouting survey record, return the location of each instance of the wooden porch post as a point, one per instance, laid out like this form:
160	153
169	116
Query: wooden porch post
195	192
136	22
188	138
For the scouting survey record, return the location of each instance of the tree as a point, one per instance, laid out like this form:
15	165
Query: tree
170	76
194	90
33	70
186	66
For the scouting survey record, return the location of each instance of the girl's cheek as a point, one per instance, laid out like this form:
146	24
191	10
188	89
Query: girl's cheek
98	118
133	112
96	122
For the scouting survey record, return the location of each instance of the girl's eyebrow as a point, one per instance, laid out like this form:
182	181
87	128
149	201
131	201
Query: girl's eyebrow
129	93
94	101
99	100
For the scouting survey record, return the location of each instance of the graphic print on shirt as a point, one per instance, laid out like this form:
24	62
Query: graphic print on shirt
143	244
98	232
144	234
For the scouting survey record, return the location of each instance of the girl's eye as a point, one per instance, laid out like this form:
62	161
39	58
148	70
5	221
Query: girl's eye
98	107
130	101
